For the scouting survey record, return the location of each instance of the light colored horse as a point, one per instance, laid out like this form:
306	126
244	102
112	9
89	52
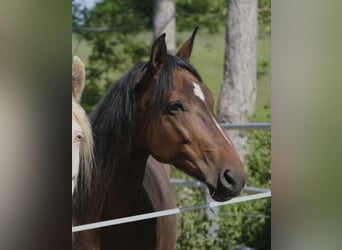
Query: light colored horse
82	140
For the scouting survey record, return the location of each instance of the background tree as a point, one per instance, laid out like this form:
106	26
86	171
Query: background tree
238	92
164	21
108	28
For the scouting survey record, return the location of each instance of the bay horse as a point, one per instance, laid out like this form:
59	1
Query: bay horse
82	139
160	111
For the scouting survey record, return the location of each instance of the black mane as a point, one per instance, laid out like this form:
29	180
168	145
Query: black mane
114	118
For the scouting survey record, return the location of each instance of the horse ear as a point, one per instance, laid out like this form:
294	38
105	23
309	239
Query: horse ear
78	78
185	51
158	53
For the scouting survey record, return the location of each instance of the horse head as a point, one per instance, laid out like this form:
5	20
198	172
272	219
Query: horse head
182	129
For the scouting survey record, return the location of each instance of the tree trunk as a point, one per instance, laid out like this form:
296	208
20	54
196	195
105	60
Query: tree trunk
164	21
238	92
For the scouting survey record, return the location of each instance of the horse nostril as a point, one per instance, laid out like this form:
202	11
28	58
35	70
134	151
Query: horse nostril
227	180
229	184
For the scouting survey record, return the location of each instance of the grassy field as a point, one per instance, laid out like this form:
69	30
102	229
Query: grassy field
208	59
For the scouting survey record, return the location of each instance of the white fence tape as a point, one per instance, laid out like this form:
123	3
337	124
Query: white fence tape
167	212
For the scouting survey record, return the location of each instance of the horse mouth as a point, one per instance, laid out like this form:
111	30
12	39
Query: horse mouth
219	196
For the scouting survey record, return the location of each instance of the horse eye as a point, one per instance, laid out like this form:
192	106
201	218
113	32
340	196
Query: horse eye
176	106
79	138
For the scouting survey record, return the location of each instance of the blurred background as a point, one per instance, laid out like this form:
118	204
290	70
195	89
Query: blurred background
35	69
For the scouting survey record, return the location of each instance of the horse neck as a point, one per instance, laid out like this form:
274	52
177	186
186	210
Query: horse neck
131	174
126	186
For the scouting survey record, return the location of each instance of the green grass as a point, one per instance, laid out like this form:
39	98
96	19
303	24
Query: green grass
80	48
208	59
263	102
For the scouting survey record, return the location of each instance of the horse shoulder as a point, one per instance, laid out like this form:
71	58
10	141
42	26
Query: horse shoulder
157	185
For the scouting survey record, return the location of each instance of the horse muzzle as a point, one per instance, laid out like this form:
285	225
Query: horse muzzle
229	184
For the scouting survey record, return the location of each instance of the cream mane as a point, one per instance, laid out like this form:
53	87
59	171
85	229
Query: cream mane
86	149
80	117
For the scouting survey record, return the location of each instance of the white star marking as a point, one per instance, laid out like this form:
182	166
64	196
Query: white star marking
198	91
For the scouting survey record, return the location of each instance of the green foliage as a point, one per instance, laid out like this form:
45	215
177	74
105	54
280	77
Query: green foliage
77	13
259	160
206	14
264	16
114	50
127	15
192	226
